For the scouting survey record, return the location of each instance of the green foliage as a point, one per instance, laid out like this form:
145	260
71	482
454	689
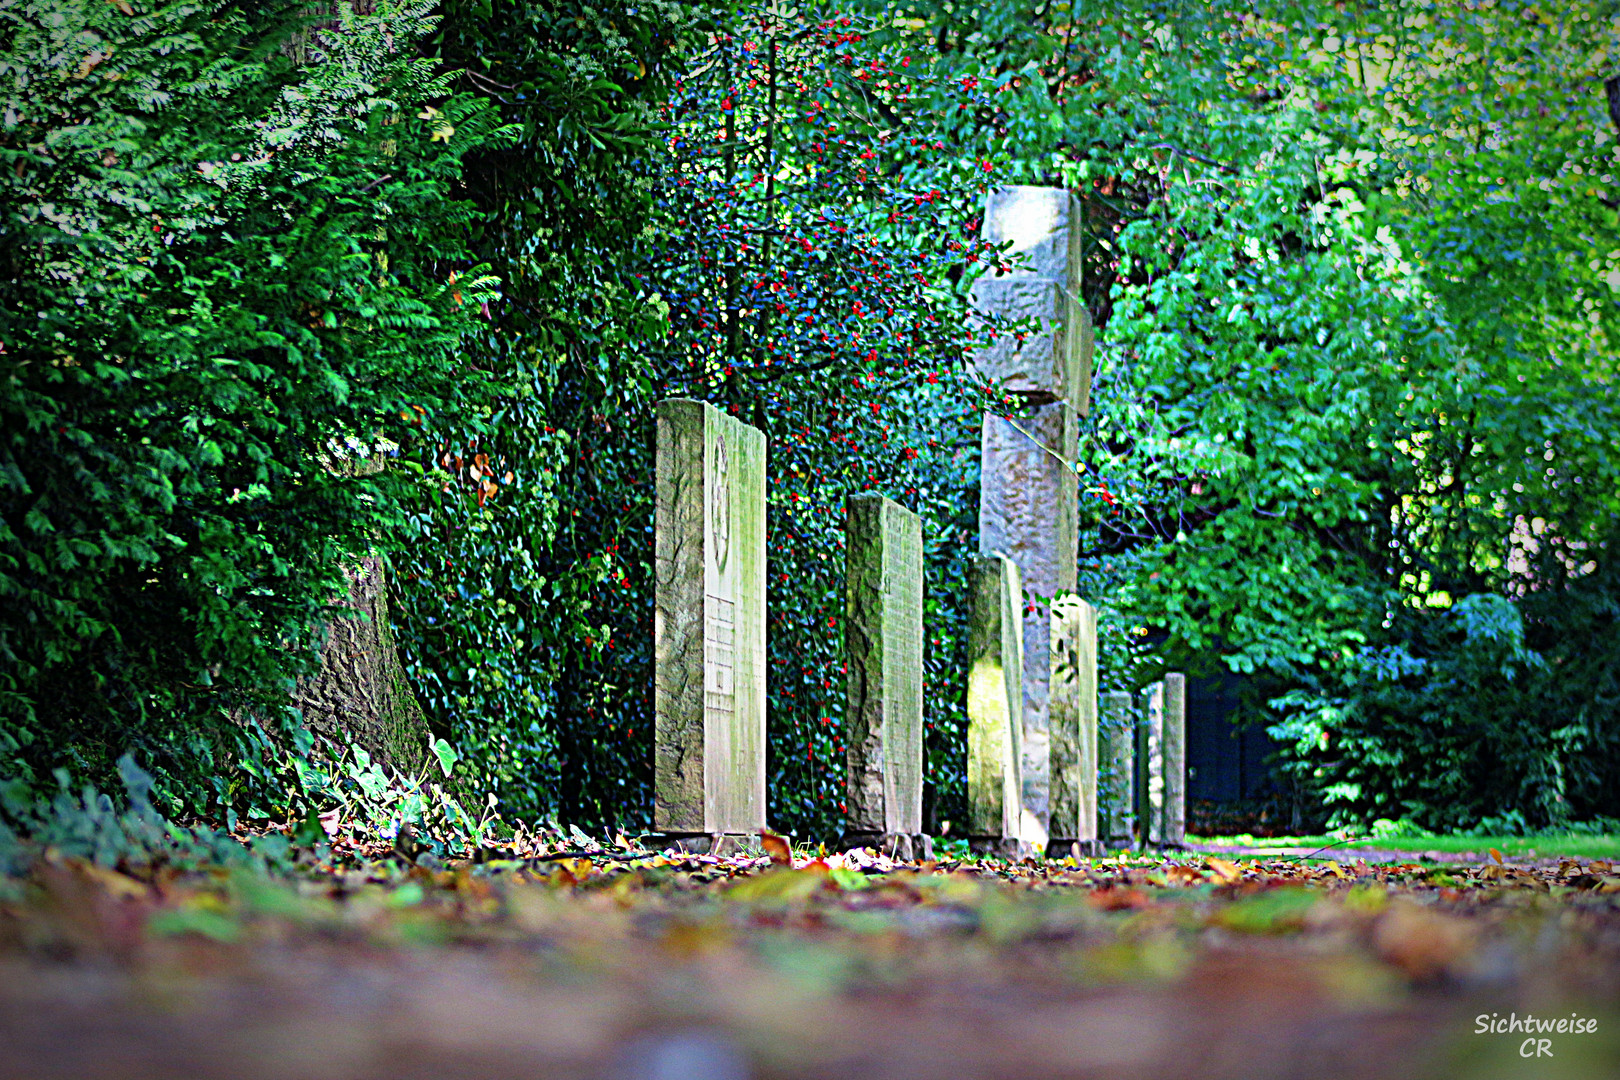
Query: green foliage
545	617
1354	323
1347	440
90	825
501	585
227	287
365	798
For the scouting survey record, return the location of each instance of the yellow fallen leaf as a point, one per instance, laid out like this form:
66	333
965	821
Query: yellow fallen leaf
120	886
780	885
1227	872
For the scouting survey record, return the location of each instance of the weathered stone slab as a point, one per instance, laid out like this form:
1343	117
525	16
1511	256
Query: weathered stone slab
1029	495
1116	778
995	693
1029	509
1072	707
1150	765
1175	758
883	712
709	623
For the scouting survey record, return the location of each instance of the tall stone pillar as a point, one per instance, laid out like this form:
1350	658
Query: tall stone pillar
709	625
1073	721
1116	778
1028	499
1150	766
1175	758
883	704
995	678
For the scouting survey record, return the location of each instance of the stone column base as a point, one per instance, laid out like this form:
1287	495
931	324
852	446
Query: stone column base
1166	846
1008	847
700	843
1062	848
902	847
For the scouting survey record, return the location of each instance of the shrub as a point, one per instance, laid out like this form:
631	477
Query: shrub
226	278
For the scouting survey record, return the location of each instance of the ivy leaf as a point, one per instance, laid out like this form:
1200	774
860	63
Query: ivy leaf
445	753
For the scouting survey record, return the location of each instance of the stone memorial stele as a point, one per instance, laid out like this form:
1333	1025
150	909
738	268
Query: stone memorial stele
1150	766
883	704
1073	719
709	626
1116	777
1028	496
995	693
1175	758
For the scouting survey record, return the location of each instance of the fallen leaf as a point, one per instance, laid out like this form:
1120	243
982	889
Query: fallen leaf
1113	898
777	884
1420	942
1276	910
119	886
193	920
1183	875
776	847
1224	871
849	878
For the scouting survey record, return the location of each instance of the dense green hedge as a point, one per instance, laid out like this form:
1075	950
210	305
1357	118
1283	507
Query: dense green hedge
224	278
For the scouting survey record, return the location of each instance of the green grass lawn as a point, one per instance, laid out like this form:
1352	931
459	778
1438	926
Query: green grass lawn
1537	846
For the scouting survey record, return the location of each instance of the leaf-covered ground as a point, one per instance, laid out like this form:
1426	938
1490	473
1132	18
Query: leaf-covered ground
609	961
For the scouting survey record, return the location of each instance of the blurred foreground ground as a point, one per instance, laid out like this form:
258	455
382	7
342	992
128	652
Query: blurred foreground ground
620	964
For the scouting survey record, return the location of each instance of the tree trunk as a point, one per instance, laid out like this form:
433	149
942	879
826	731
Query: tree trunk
360	695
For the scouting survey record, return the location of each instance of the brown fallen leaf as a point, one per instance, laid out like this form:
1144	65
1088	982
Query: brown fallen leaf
1420	942
1113	898
1182	875
776	847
